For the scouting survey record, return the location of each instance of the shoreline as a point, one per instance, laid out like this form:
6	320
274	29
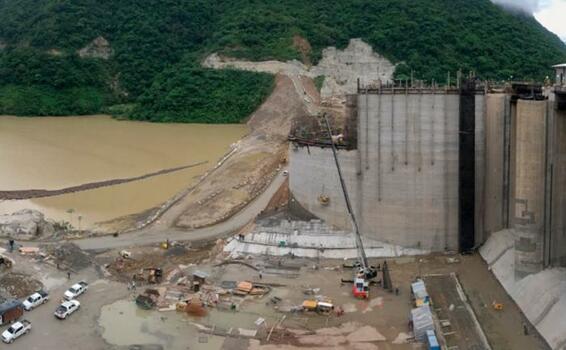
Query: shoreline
40	193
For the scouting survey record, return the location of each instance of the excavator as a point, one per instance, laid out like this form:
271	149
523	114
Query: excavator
364	273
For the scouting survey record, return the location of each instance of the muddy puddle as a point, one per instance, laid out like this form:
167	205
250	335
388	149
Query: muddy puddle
123	323
54	153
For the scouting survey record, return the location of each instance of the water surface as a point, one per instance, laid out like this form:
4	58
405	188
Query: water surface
57	152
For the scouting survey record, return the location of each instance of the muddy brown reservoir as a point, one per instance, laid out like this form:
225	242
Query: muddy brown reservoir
54	153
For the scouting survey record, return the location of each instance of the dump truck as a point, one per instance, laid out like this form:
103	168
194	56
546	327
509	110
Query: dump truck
10	311
325	306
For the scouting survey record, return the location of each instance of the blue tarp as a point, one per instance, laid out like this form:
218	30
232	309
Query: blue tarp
432	341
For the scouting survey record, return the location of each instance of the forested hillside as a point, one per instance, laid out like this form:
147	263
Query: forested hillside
153	71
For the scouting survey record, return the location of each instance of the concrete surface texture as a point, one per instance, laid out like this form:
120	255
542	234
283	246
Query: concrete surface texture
312	239
541	296
529	174
403	177
341	68
526	179
558	193
497	106
480	168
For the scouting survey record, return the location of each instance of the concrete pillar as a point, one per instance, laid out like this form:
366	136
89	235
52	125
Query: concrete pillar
557	230
528	205
494	194
480	145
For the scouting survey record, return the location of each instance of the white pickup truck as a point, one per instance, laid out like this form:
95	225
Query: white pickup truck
75	290
36	299
15	331
67	308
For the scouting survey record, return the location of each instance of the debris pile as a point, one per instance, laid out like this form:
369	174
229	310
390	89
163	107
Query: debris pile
194	294
5	262
248	288
18	285
68	255
195	307
148	299
141	261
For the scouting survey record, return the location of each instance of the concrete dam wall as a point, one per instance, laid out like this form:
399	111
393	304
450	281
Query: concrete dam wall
403	178
525	179
442	170
446	170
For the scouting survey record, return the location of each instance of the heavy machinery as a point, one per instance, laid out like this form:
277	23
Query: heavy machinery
364	272
150	275
6	262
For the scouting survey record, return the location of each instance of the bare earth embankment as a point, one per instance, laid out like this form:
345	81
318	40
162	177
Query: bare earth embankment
250	168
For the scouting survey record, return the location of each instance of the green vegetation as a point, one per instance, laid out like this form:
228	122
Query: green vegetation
33	82
44	101
318	82
203	95
158	44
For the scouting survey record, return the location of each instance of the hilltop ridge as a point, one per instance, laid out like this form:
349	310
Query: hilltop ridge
61	57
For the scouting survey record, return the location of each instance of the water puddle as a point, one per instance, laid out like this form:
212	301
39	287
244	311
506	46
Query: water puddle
123	323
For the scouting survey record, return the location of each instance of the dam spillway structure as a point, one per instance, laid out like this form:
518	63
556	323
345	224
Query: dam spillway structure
414	180
526	174
444	168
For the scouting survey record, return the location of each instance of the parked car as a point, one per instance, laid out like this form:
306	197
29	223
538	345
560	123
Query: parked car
76	290
15	331
67	308
11	311
36	299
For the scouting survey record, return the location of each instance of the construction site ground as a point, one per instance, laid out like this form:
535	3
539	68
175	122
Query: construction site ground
459	327
109	318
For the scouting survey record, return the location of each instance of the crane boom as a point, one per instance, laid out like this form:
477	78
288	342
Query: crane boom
365	268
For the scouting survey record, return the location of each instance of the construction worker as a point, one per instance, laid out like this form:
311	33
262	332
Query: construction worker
525	329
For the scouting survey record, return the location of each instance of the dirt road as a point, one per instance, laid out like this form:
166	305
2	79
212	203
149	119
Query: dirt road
153	235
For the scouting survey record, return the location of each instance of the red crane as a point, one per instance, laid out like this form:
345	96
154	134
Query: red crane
364	272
